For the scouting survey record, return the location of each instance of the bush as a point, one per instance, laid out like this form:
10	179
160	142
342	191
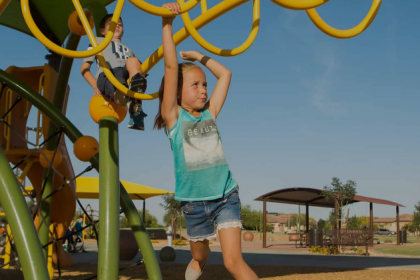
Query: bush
179	242
358	251
324	250
334	250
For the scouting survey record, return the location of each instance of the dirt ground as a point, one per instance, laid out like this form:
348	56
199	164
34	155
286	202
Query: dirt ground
212	272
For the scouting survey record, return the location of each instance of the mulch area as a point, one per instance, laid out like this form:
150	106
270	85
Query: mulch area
212	272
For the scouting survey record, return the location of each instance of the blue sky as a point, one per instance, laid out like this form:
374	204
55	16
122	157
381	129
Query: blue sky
302	107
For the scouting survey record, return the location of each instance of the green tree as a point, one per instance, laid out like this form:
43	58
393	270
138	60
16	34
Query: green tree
331	218
355	222
150	220
167	219
312	223
174	208
294	220
251	219
321	224
124	223
341	193
415	224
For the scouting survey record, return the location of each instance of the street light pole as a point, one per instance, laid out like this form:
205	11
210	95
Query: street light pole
298	231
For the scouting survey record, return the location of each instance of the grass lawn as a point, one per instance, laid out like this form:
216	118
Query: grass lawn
393	238
409	251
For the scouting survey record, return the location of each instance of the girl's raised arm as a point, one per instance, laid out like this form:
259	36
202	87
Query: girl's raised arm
223	76
169	109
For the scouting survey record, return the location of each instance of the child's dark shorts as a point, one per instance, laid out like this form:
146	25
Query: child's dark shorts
106	87
205	218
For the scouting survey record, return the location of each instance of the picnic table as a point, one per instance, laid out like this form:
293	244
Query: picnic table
301	239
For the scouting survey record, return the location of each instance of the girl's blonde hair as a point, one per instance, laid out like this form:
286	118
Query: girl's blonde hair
182	68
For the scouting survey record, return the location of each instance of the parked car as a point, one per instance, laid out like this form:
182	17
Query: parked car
384	231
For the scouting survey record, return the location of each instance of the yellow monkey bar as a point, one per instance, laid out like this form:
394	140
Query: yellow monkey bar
162	12
62	51
199	22
190	28
215	12
215	50
120	87
299	4
203	6
344	34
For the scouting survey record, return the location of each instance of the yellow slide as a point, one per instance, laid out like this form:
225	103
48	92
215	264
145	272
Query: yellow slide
12	140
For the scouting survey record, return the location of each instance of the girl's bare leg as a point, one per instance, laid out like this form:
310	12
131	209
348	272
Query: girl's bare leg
230	240
200	252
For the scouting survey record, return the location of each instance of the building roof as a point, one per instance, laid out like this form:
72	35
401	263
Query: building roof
403	218
277	219
313	197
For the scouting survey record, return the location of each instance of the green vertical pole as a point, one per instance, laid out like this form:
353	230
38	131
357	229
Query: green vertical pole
109	200
130	211
141	235
58	102
21	223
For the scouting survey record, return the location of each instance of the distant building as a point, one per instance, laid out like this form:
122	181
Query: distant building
280	222
391	223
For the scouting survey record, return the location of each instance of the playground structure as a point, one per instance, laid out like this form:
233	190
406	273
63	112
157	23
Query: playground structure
39	232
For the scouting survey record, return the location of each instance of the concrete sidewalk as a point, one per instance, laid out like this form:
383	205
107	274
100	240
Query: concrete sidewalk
255	256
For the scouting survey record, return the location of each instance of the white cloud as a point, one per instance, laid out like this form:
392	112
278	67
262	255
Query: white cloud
323	84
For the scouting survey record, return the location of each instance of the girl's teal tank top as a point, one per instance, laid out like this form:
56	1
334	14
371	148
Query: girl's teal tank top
201	170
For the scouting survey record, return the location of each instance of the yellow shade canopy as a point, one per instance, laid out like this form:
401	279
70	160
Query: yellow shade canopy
87	187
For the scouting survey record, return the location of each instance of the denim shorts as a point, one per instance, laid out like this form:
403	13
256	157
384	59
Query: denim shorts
203	218
106	87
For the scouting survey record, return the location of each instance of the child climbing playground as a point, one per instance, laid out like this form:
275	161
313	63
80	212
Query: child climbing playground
124	65
204	184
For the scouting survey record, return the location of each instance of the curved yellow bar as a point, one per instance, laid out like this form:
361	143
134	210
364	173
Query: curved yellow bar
203	6
162	12
203	43
62	51
344	34
299	4
102	60
120	86
215	12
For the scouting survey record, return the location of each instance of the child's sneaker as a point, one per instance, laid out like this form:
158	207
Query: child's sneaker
136	115
138	83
